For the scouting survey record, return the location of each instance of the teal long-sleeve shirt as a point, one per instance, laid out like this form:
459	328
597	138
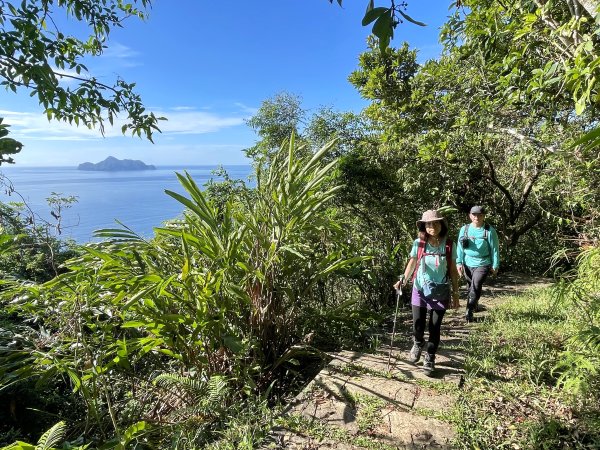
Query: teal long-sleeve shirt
480	251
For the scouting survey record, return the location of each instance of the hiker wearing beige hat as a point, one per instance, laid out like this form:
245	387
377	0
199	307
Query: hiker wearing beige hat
432	269
478	255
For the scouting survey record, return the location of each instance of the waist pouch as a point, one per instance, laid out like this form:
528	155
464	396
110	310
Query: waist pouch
433	289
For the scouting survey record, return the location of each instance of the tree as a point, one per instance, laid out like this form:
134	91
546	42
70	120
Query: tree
36	55
274	122
543	49
457	141
547	55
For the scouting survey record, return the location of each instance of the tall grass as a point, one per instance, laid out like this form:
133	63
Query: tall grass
579	368
514	396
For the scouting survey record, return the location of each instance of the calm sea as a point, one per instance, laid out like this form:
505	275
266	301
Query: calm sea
136	198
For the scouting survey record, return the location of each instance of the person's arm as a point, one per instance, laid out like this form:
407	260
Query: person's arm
408	271
494	245
453	268
459	253
454	278
410	268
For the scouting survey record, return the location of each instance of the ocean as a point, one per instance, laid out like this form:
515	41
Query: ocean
135	198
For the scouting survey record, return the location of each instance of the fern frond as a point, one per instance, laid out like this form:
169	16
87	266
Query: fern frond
52	437
192	386
591	339
217	389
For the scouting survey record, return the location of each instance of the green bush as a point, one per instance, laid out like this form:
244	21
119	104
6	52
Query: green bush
224	292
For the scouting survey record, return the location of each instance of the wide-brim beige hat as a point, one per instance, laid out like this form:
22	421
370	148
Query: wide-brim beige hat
430	215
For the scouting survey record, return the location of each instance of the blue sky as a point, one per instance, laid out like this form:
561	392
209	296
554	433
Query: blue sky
207	66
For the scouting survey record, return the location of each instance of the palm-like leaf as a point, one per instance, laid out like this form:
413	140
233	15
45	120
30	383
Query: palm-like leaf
215	292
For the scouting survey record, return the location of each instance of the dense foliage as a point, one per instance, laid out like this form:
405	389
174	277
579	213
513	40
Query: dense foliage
216	307
8	146
187	338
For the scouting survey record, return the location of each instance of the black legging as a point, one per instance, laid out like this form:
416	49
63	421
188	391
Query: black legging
435	324
475	277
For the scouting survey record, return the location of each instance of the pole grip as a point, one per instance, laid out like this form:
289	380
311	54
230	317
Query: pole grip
401	280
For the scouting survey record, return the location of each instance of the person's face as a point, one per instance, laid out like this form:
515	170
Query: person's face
433	228
477	219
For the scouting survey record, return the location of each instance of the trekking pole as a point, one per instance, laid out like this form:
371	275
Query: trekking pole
398	295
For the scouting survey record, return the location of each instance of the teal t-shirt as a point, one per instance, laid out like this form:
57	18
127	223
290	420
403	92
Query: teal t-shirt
480	251
433	265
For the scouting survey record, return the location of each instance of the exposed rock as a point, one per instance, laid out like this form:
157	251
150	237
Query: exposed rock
112	164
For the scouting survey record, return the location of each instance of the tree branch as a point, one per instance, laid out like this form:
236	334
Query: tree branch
524	138
500	186
517	233
527	191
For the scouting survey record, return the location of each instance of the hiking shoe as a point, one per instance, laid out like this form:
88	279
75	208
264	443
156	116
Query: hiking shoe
469	315
415	353
429	364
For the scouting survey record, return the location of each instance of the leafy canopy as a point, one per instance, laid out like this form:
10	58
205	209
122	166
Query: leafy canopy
37	56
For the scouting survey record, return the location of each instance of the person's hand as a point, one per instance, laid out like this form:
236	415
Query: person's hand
455	301
494	272
401	282
459	268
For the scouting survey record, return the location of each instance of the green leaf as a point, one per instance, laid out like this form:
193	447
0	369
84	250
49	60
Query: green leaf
590	139
383	29
410	19
580	106
130	433
233	343
52	437
373	14
19	445
133	324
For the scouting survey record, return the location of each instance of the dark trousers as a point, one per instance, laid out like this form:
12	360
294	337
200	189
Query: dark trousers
435	324
475	277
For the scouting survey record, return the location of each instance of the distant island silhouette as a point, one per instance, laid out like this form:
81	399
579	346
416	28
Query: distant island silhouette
112	164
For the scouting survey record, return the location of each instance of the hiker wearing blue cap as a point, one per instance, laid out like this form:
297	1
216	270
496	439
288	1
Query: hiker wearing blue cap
477	256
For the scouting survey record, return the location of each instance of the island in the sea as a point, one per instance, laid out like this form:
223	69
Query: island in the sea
112	164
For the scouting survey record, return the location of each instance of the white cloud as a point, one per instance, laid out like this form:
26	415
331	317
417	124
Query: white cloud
196	122
126	56
160	154
250	110
28	125
181	120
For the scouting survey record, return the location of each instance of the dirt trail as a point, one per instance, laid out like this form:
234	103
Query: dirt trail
381	401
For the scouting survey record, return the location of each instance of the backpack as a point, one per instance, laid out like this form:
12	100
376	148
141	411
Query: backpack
421	253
